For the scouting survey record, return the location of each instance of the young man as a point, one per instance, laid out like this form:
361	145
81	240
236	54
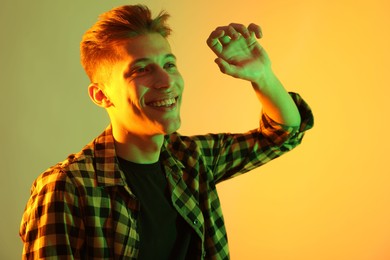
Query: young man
141	190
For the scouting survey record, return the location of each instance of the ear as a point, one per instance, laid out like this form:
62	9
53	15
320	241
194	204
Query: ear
98	96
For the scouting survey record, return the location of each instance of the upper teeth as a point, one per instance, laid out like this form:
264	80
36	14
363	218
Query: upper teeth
165	102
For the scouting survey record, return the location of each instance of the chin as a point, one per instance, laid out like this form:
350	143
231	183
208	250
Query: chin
171	128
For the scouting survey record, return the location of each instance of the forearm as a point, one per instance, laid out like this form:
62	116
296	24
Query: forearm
276	101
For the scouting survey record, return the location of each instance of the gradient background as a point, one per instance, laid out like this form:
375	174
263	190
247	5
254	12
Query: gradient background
327	200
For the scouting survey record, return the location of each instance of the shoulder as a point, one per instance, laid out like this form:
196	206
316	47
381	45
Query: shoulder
70	175
183	143
195	146
198	140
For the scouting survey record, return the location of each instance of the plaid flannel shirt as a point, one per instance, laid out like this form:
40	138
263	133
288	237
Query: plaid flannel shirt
82	208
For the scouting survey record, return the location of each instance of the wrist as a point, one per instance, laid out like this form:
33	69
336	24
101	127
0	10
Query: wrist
267	82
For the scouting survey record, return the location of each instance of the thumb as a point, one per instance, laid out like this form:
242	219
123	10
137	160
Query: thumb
225	67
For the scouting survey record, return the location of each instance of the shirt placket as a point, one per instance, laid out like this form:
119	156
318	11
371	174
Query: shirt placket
182	198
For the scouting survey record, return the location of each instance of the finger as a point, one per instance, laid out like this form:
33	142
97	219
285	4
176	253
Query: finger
223	34
214	36
224	40
214	40
225	67
241	29
232	33
254	28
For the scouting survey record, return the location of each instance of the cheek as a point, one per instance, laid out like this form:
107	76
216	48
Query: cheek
135	109
133	104
180	82
135	100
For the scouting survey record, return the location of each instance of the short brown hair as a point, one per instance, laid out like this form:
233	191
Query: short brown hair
98	46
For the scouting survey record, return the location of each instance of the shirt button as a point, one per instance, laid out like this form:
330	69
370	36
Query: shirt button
196	222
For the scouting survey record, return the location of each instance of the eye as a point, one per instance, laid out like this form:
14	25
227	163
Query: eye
139	70
170	65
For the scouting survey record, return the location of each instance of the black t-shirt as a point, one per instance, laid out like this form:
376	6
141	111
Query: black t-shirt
164	234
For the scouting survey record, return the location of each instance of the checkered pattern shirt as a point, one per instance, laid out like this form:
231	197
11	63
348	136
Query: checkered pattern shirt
82	208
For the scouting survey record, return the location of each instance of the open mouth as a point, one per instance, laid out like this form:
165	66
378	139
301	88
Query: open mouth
163	103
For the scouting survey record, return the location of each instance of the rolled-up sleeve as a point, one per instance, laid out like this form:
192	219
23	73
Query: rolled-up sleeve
288	135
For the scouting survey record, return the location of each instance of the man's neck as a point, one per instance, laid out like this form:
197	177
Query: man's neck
138	149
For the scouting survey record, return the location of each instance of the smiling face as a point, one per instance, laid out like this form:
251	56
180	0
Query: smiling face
145	88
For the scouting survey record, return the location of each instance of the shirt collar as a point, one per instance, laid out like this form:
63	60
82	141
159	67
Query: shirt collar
172	165
106	163
107	168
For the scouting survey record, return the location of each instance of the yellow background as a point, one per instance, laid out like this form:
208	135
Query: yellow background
327	200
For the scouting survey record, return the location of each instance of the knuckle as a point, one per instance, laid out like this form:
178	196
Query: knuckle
220	28
253	26
236	25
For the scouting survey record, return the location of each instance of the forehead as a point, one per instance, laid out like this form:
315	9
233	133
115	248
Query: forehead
151	45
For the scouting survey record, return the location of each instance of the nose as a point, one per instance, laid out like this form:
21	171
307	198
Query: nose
162	79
